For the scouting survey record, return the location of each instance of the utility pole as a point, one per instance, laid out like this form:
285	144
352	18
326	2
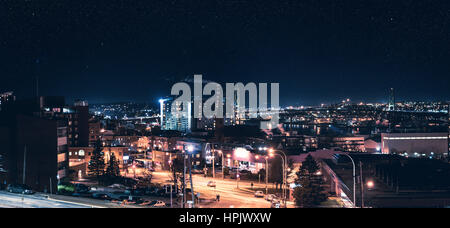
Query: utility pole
362	183
354	178
214	164
184	180
267	175
51	186
192	183
237	175
223	171
171	200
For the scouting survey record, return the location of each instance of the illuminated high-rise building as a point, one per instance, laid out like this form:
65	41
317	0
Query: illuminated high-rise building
170	121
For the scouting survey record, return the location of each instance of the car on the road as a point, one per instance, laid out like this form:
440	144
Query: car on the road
271	197
211	184
19	188
259	194
144	203
156	203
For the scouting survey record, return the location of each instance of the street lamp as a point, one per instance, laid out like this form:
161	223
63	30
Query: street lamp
370	184
354	178
271	154
214	163
267	173
271	150
267	163
190	150
259	175
221	154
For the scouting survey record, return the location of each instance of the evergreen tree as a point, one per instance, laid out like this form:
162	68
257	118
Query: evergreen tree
262	174
309	191
310	165
276	171
113	169
96	167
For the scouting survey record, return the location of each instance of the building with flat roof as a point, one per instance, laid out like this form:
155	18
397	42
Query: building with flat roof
33	151
350	143
415	144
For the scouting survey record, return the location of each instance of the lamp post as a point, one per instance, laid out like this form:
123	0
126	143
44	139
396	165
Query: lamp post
221	153
214	164
284	160
190	151
267	173
237	174
184	179
223	172
354	178
284	176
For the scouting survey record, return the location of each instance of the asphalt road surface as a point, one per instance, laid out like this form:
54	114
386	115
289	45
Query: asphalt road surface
230	195
10	200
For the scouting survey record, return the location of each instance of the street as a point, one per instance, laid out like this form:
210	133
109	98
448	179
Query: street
10	200
230	196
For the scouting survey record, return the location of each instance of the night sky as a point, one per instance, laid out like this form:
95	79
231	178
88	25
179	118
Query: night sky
319	51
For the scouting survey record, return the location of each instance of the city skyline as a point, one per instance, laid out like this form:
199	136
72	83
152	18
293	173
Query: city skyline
319	53
230	104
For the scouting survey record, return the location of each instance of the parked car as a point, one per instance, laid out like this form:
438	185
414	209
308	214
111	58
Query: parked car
65	188
82	188
69	188
211	184
19	188
245	172
275	204
271	197
259	194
